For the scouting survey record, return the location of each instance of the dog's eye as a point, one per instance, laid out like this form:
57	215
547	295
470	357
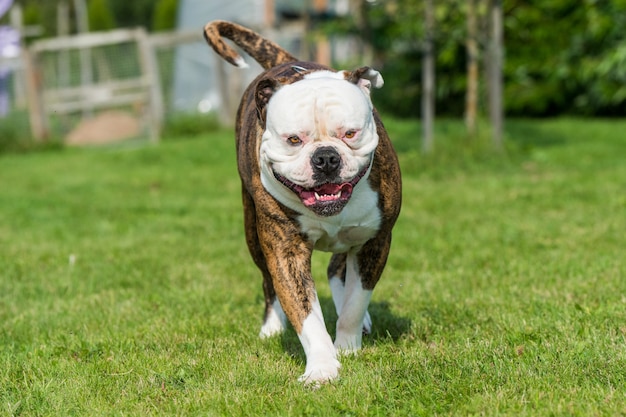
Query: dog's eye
294	140
350	134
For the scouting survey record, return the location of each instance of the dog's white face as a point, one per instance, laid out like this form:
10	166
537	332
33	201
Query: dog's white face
319	142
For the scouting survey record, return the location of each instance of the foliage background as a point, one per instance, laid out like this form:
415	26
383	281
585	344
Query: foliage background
562	56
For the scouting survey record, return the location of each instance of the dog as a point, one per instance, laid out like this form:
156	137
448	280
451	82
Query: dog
318	171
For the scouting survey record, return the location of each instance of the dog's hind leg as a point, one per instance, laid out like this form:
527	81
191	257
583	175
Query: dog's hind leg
353	316
362	272
274	319
337	280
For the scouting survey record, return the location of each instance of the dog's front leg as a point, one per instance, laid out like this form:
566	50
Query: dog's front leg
321	356
288	257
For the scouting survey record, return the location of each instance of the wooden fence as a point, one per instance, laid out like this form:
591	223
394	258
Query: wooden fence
55	90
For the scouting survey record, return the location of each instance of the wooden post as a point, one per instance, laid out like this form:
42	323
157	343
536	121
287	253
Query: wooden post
471	98
428	78
36	113
495	64
150	70
63	29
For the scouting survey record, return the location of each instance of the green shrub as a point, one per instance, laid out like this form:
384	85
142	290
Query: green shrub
164	17
100	15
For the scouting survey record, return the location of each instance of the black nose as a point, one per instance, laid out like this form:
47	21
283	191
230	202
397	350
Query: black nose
326	159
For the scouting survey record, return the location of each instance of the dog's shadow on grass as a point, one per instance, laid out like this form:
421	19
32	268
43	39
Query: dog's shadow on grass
386	327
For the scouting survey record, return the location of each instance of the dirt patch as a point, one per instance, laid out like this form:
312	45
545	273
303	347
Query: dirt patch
105	127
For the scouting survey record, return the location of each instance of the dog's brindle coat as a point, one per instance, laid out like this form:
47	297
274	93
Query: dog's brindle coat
273	233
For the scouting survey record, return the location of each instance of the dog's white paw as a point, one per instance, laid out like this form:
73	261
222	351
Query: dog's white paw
270	329
320	370
367	323
348	343
349	340
274	322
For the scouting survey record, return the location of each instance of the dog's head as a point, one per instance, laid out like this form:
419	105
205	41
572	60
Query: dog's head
319	138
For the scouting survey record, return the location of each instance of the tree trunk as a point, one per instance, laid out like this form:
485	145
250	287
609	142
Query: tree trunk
471	99
322	50
428	78
270	15
494	65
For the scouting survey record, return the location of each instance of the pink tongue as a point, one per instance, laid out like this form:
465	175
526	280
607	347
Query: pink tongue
328	189
326	192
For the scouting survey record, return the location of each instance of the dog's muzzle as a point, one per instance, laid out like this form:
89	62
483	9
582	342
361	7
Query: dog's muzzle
327	197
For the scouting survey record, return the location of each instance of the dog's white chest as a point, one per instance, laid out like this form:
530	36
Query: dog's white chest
358	222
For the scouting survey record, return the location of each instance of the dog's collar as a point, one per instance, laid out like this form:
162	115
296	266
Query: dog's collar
293	73
297	71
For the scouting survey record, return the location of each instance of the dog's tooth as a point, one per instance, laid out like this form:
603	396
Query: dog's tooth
317	196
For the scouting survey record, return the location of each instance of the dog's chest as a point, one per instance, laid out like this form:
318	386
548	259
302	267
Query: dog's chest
357	223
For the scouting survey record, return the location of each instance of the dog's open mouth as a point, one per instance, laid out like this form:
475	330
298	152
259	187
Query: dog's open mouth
326	199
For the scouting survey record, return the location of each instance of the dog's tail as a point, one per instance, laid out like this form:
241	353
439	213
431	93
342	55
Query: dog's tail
265	52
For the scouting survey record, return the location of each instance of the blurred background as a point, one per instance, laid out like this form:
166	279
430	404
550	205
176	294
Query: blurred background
90	71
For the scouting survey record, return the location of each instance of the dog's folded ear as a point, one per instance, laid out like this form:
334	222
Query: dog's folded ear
265	89
365	78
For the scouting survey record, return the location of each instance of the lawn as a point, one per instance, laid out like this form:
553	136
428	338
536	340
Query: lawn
126	287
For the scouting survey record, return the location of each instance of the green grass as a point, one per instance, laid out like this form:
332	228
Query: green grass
126	287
